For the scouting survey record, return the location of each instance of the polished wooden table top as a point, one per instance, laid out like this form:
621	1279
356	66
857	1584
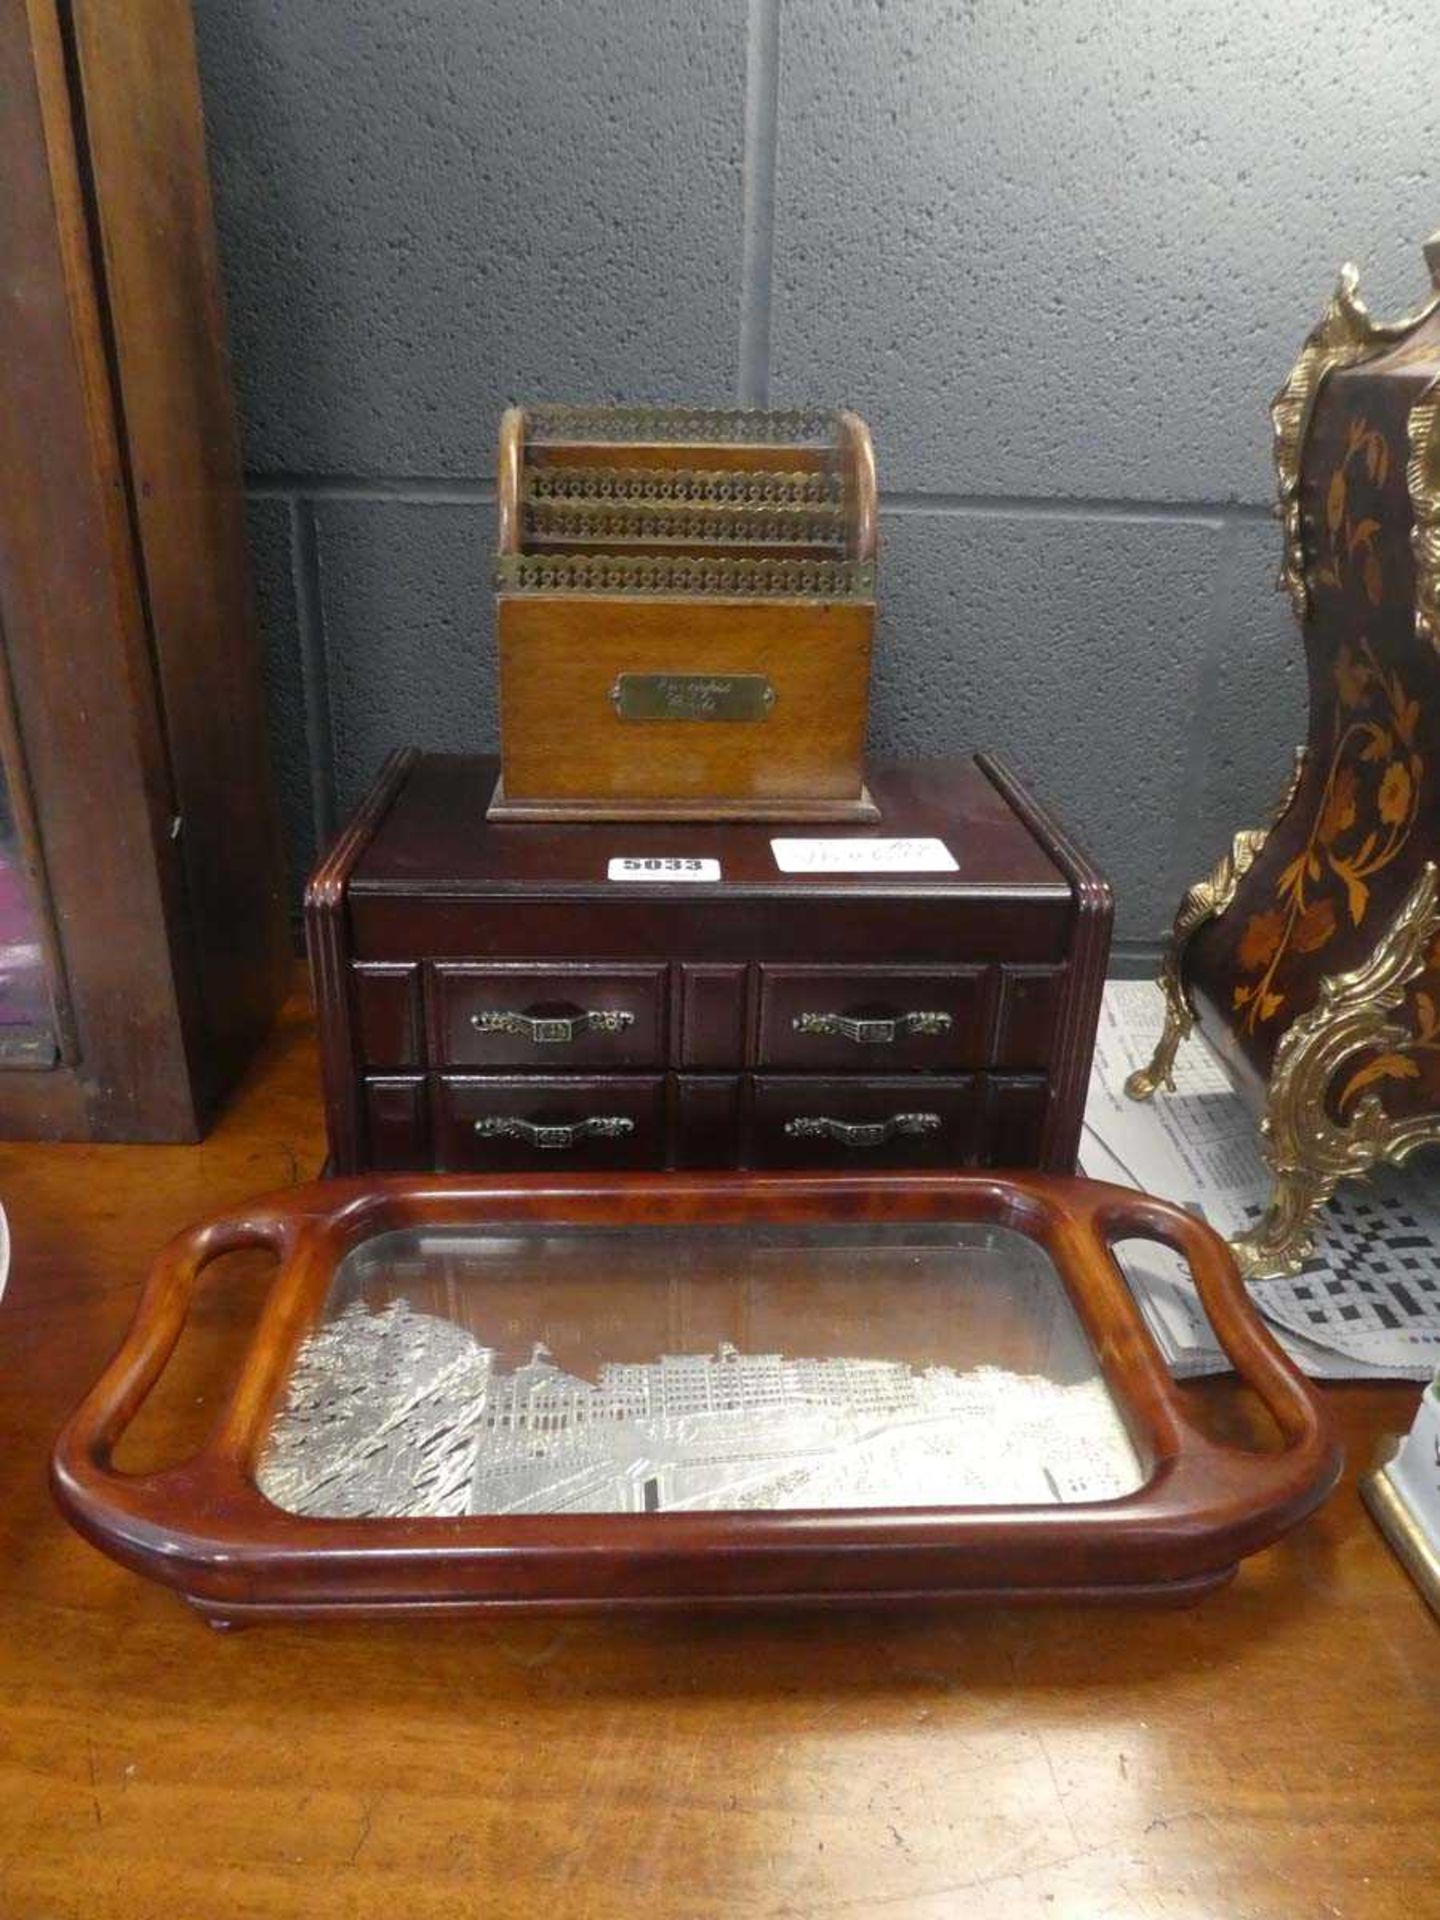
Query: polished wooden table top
1274	1752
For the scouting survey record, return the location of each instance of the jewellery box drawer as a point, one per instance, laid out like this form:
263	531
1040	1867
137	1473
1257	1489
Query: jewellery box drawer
903	1122
548	1016
875	1019
490	1121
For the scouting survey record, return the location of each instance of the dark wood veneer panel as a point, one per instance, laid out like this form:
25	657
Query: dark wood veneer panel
964	995
712	1014
387	1014
1021	929
958	1104
328	940
459	1101
438	834
1015	1119
1089	951
535	989
706	1127
1031	1001
397	1129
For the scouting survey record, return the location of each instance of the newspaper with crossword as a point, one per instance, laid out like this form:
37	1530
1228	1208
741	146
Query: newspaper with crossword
1367	1306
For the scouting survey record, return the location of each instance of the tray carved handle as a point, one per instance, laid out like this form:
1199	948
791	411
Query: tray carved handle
1309	1459
84	1453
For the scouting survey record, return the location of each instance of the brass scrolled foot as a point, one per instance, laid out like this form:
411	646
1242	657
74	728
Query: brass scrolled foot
1283	1239
1205	901
1311	1143
1146	1082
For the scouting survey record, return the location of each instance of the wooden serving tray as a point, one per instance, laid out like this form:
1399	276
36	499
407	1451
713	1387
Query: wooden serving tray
694	1391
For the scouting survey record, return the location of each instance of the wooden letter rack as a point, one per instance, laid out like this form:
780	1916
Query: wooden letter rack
686	602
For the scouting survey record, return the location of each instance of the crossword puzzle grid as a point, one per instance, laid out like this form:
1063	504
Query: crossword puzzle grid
1379	1273
1371	1293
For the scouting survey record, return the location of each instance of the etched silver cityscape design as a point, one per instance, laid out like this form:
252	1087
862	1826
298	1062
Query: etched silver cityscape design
398	1413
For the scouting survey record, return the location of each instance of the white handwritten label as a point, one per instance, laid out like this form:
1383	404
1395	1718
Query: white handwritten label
870	855
670	867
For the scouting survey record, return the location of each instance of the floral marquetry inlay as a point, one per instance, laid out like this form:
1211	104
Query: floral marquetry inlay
1344	336
1415	1064
1365	816
1349	542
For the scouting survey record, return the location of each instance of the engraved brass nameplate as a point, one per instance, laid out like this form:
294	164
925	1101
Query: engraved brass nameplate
692	696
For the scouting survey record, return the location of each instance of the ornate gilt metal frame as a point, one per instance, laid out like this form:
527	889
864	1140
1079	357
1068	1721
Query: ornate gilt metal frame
1308	1148
1205	901
684	504
1423	478
780	426
660	573
674	488
1345	335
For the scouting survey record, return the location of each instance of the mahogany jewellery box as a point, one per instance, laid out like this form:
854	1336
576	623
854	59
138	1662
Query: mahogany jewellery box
709	994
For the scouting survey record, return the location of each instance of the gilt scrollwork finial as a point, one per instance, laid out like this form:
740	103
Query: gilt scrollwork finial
1344	335
1422	475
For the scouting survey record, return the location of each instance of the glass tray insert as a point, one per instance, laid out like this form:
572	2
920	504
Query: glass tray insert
537	1370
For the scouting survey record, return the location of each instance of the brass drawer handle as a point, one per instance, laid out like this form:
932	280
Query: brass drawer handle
873	1033
556	1139
862	1133
552	1029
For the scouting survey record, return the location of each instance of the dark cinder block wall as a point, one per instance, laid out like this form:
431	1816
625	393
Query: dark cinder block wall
1058	255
